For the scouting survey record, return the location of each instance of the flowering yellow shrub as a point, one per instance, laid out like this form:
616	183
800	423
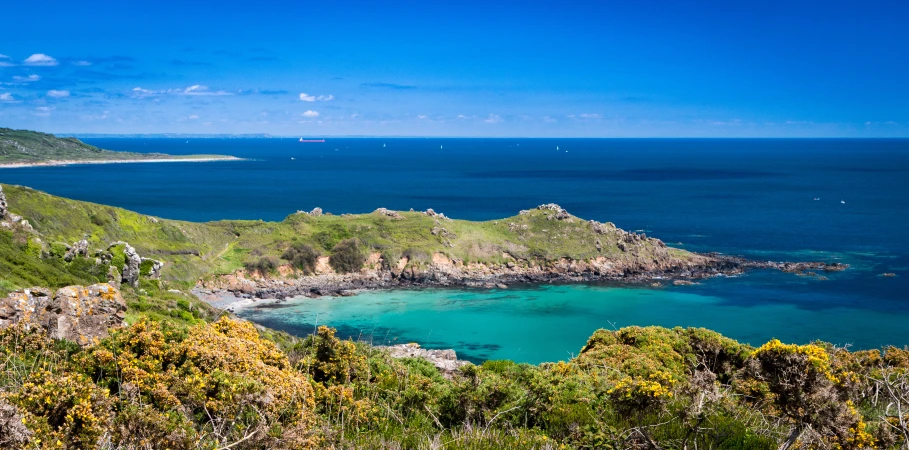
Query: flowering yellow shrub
63	410
640	394
334	361
818	359
218	372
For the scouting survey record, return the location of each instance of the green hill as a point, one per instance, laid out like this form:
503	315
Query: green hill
24	147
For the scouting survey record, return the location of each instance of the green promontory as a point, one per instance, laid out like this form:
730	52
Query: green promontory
23	147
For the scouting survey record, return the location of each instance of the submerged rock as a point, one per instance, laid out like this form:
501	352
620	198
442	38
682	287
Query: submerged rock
75	313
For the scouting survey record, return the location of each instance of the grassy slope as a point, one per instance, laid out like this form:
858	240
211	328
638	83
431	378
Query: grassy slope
22	146
195	249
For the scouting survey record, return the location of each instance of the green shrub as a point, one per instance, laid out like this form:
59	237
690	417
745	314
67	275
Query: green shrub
145	267
263	266
347	256
302	256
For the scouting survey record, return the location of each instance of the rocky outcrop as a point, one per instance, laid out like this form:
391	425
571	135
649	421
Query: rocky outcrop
316	212
559	212
131	268
389	213
445	360
75	313
77	249
7	218
639	263
154	267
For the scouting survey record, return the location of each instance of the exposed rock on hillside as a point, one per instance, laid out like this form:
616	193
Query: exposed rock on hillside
76	313
389	213
446	360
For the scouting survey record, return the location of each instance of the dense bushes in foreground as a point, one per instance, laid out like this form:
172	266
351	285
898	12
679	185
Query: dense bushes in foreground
224	385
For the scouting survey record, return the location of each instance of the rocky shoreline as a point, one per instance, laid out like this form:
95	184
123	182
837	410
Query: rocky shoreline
444	272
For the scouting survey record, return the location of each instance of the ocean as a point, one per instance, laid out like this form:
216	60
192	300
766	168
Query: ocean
838	200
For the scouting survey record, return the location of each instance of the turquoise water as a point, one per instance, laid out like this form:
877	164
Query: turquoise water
550	323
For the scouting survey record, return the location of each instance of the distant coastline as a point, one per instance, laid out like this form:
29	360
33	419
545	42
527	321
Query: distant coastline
17	165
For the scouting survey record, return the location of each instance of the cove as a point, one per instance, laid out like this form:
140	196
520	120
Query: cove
536	324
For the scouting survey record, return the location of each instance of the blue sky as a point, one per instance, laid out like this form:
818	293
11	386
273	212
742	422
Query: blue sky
458	68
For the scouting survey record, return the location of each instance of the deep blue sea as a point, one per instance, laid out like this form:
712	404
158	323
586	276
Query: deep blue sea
752	197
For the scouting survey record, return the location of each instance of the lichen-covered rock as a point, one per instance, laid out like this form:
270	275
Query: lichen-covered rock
13	432
75	313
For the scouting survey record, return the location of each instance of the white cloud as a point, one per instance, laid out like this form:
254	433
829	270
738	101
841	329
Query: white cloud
82	63
40	59
549	119
304	97
591	116
421	116
196	89
310	114
493	118
194	116
462	116
57	94
43	111
6	61
27	79
7	97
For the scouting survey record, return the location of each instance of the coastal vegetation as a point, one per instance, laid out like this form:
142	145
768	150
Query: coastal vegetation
181	374
32	147
224	383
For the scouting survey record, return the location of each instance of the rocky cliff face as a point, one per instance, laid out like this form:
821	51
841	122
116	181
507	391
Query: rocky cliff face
77	313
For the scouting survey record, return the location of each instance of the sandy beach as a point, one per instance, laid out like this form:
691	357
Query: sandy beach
17	165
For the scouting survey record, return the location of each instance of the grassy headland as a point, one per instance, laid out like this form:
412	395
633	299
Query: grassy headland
23	148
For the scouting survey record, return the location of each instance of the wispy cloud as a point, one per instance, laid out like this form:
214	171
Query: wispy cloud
389	86
27	79
6	61
82	63
43	111
7	97
304	97
591	116
196	89
310	114
40	59
493	118
57	94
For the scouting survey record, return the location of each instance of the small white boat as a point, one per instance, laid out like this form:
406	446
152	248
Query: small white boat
440	147
383	145
816	198
292	158
843	201
557	147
